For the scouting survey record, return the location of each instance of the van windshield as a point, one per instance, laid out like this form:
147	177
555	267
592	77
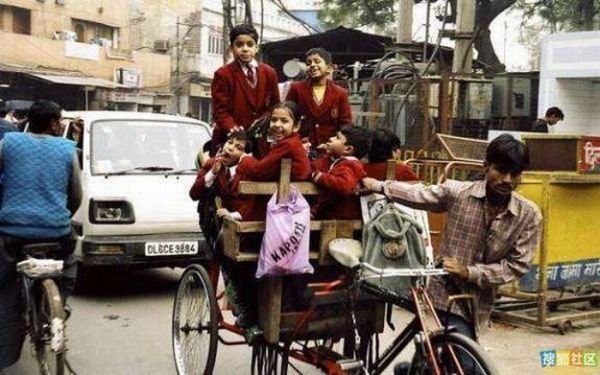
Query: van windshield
145	147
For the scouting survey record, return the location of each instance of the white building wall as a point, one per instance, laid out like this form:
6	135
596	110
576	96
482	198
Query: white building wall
277	26
570	80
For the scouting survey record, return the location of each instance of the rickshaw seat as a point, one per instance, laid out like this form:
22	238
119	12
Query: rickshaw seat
346	251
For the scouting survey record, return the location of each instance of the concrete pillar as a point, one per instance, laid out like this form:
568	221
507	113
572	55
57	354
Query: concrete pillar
463	51
404	21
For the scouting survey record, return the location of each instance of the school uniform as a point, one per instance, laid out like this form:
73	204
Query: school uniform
226	183
338	178
268	168
378	171
237	101
322	120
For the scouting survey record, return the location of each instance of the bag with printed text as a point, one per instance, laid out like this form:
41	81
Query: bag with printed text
284	249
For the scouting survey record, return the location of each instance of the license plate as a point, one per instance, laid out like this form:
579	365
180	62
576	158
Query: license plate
154	249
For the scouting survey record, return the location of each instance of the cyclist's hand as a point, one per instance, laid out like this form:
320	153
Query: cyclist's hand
454	267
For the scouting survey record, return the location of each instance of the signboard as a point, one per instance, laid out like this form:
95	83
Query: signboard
589	155
127	97
563	274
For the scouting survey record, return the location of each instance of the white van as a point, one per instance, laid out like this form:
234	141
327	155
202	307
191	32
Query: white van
137	169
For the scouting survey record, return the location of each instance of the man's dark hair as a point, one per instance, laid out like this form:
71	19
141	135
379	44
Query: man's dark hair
508	154
358	138
41	114
555	111
325	55
243	29
3	110
383	143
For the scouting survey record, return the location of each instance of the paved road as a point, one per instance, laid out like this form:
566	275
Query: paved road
122	327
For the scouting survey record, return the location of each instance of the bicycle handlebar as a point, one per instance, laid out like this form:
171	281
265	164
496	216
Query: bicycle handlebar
393	272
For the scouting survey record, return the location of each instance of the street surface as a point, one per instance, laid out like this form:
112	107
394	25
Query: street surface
122	327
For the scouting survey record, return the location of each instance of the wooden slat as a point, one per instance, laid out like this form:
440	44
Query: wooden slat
328	233
284	180
268	188
269	308
390	172
315	225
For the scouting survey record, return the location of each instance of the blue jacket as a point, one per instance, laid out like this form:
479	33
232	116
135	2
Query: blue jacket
37	172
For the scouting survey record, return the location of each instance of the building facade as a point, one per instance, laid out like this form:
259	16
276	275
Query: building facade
191	33
78	53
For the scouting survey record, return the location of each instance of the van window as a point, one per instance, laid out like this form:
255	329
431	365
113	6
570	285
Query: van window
121	145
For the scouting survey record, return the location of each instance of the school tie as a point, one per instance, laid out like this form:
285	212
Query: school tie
250	75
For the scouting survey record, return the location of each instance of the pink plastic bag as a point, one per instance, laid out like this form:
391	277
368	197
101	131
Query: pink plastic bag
284	250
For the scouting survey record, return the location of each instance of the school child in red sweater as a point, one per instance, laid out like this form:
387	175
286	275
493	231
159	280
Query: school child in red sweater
385	145
285	143
339	173
221	173
324	104
243	90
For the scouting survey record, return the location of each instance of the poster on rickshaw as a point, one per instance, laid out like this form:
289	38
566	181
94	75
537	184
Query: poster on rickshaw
589	155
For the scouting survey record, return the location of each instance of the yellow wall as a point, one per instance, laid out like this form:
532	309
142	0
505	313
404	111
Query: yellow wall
36	52
571	213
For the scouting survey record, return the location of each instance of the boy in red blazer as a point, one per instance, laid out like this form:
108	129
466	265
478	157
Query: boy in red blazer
385	145
221	172
339	173
243	90
324	104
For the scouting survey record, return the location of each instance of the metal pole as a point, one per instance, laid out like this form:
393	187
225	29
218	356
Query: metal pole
404	21
427	25
177	67
464	32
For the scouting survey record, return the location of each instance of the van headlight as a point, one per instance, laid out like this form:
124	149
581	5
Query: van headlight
111	212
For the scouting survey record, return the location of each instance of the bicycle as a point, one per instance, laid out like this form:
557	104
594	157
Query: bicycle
437	351
44	310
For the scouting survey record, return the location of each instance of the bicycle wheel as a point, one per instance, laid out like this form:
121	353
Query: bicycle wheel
195	330
473	360
51	340
270	359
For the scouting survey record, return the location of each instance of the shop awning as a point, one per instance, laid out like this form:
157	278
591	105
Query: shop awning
77	81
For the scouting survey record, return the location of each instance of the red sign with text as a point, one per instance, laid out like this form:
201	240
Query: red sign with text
589	155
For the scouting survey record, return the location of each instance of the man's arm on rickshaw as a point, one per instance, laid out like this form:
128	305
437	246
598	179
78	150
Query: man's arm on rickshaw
435	198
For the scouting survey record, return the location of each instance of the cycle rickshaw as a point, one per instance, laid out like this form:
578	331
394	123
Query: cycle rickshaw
338	333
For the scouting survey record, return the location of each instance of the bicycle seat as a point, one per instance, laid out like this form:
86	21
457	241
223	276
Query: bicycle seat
346	251
40	249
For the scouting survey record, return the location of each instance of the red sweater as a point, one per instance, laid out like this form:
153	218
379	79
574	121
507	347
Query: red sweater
379	169
227	191
322	121
236	102
338	180
268	168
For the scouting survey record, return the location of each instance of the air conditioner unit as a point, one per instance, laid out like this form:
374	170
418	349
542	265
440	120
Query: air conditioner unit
65	35
161	45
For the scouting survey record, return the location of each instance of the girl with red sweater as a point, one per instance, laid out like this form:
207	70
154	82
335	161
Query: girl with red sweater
285	143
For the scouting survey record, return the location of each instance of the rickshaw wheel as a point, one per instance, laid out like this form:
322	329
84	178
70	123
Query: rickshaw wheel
195	330
270	359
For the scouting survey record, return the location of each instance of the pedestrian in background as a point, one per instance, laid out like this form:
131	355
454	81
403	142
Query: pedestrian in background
553	115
